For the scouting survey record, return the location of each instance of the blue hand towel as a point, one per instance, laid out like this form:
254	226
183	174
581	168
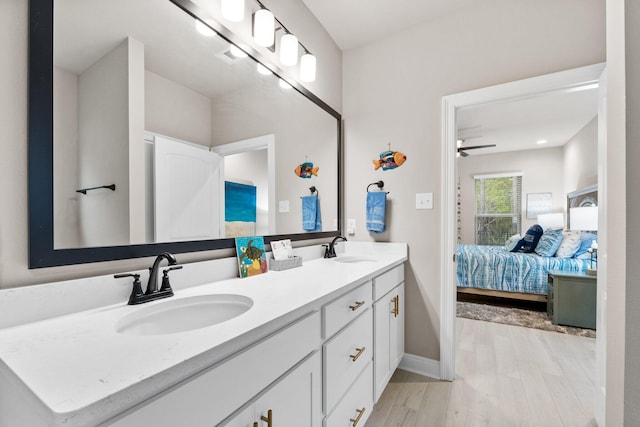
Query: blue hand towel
311	218
376	205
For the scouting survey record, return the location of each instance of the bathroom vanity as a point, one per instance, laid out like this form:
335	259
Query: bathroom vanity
310	346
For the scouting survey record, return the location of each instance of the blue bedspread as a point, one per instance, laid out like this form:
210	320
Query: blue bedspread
492	267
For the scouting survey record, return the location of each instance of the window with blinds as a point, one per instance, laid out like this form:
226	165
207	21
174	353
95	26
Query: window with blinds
498	208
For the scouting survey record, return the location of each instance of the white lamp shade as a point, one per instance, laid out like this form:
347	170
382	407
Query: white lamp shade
584	218
264	27
308	68
551	220
232	10
289	49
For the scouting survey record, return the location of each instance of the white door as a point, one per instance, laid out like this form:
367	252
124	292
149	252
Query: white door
188	191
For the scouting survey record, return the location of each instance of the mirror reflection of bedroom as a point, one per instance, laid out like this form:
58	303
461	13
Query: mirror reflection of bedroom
526	212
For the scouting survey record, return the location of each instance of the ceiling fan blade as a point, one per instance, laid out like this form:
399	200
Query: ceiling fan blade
473	147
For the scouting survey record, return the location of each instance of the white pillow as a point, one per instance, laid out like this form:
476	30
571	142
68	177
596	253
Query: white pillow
512	242
570	244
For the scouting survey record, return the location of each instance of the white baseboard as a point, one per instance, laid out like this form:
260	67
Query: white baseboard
420	365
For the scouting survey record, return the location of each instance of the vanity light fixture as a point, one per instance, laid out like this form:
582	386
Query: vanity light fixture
308	67
232	10
204	29
289	49
264	27
236	51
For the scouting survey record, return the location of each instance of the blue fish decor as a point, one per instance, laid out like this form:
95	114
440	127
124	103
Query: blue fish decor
306	170
389	160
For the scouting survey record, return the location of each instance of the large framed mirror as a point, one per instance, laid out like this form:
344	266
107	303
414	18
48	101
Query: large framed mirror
146	135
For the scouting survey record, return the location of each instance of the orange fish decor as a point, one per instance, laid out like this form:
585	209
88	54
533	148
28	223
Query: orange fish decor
389	160
306	170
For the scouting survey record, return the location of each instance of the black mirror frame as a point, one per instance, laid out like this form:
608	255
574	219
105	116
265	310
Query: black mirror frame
40	157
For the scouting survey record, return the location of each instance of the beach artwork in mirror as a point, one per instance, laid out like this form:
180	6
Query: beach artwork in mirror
197	144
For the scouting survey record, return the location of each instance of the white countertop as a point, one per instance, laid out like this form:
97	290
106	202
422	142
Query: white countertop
79	370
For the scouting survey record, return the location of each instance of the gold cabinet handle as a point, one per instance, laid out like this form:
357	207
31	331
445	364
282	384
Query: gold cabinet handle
268	419
396	307
358	354
357	419
356	306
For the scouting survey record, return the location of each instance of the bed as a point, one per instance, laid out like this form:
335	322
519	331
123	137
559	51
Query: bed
492	270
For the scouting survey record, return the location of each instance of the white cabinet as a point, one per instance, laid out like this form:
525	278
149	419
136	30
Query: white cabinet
210	397
294	400
388	336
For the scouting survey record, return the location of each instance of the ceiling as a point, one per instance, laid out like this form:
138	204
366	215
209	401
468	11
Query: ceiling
353	23
519	124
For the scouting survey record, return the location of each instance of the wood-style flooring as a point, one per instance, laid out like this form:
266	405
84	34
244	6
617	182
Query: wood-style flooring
505	376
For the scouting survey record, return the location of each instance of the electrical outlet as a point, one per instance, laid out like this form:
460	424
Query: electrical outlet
351	226
424	201
284	206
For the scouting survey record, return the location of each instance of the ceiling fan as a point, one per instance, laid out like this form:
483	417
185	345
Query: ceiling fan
462	150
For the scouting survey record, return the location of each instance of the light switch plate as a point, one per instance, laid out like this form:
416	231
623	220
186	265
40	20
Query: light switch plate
424	201
284	206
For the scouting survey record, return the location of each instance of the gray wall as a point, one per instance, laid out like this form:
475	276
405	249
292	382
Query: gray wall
392	93
581	158
542	173
13	124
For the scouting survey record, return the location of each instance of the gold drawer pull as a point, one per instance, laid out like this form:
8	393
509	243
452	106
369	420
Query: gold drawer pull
358	354
357	419
268	419
396	306
357	305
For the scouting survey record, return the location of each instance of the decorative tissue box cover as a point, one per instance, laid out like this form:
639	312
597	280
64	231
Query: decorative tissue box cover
285	264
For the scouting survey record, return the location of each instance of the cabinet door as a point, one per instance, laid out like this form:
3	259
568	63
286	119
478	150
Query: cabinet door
296	400
389	337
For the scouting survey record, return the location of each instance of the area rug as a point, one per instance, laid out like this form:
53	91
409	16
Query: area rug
517	317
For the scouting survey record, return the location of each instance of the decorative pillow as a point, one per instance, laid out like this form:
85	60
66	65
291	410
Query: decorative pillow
512	242
530	240
549	242
585	243
570	244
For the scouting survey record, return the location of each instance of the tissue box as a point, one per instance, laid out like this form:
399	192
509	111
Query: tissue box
285	264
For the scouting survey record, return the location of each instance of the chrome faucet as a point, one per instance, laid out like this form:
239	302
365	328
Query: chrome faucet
152	293
330	249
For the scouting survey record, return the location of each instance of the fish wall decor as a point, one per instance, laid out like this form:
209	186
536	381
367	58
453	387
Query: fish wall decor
306	170
389	160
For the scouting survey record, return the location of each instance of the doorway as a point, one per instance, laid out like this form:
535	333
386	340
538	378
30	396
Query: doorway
566	81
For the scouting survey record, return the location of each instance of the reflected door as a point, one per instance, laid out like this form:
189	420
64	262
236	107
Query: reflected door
188	191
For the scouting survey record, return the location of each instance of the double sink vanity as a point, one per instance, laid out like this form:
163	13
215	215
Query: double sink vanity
310	346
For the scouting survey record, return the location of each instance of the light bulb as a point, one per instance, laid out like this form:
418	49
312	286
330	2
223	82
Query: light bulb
284	85
236	51
289	49
263	70
264	27
203	29
308	67
232	10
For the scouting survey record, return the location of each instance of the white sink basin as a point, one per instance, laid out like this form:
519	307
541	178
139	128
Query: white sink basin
352	259
184	314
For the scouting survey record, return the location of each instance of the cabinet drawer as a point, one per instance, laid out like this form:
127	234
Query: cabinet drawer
387	281
346	308
357	402
345	356
206	399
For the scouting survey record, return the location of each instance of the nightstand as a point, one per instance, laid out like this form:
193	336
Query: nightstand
571	298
